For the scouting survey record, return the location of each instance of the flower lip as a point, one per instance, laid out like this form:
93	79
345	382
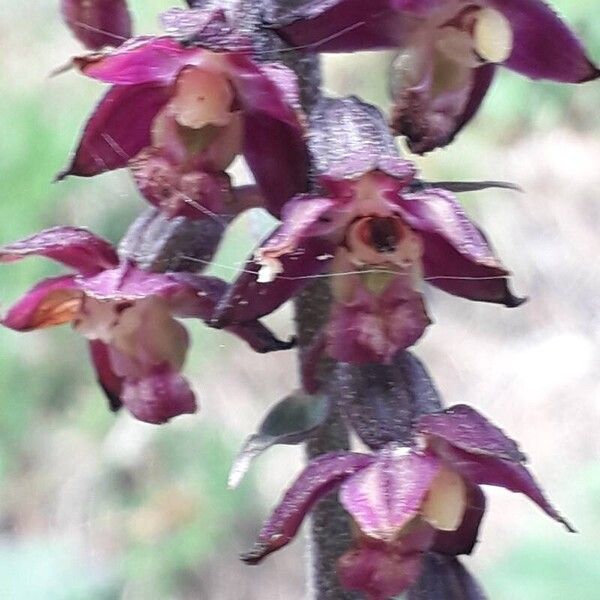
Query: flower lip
193	194
376	314
384	497
383	570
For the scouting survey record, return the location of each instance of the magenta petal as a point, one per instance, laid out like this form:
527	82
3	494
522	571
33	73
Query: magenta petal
51	302
127	282
302	217
277	156
350	25
544	47
159	396
117	130
141	60
465	428
74	247
321	476
378	572
488	470
457	257
107	379
98	23
436	211
247	300
270	89
386	495
274	145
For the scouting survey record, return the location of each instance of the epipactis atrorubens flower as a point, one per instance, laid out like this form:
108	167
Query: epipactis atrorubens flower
406	501
97	23
178	114
448	52
137	346
378	238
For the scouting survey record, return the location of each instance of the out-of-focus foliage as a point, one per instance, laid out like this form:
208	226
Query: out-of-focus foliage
537	569
97	507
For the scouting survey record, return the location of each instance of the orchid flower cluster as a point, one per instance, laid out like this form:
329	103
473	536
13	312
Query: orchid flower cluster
240	78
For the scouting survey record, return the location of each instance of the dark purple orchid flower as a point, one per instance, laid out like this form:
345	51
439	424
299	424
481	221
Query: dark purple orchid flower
98	23
377	239
406	501
448	52
127	314
179	113
378	233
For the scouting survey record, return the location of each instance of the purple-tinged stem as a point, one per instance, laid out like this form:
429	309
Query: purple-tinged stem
329	535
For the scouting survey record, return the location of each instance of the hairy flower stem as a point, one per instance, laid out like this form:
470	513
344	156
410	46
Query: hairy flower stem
330	530
329	536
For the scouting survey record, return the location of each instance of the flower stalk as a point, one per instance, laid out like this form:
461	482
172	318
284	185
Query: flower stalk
329	535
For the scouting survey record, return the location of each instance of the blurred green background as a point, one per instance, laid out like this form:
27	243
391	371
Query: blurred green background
95	507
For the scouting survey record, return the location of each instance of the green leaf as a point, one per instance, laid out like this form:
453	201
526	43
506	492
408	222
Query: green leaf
290	421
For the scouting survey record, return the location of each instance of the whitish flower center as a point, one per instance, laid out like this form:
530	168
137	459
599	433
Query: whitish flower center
474	36
202	97
143	330
446	502
442	55
199	119
493	36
